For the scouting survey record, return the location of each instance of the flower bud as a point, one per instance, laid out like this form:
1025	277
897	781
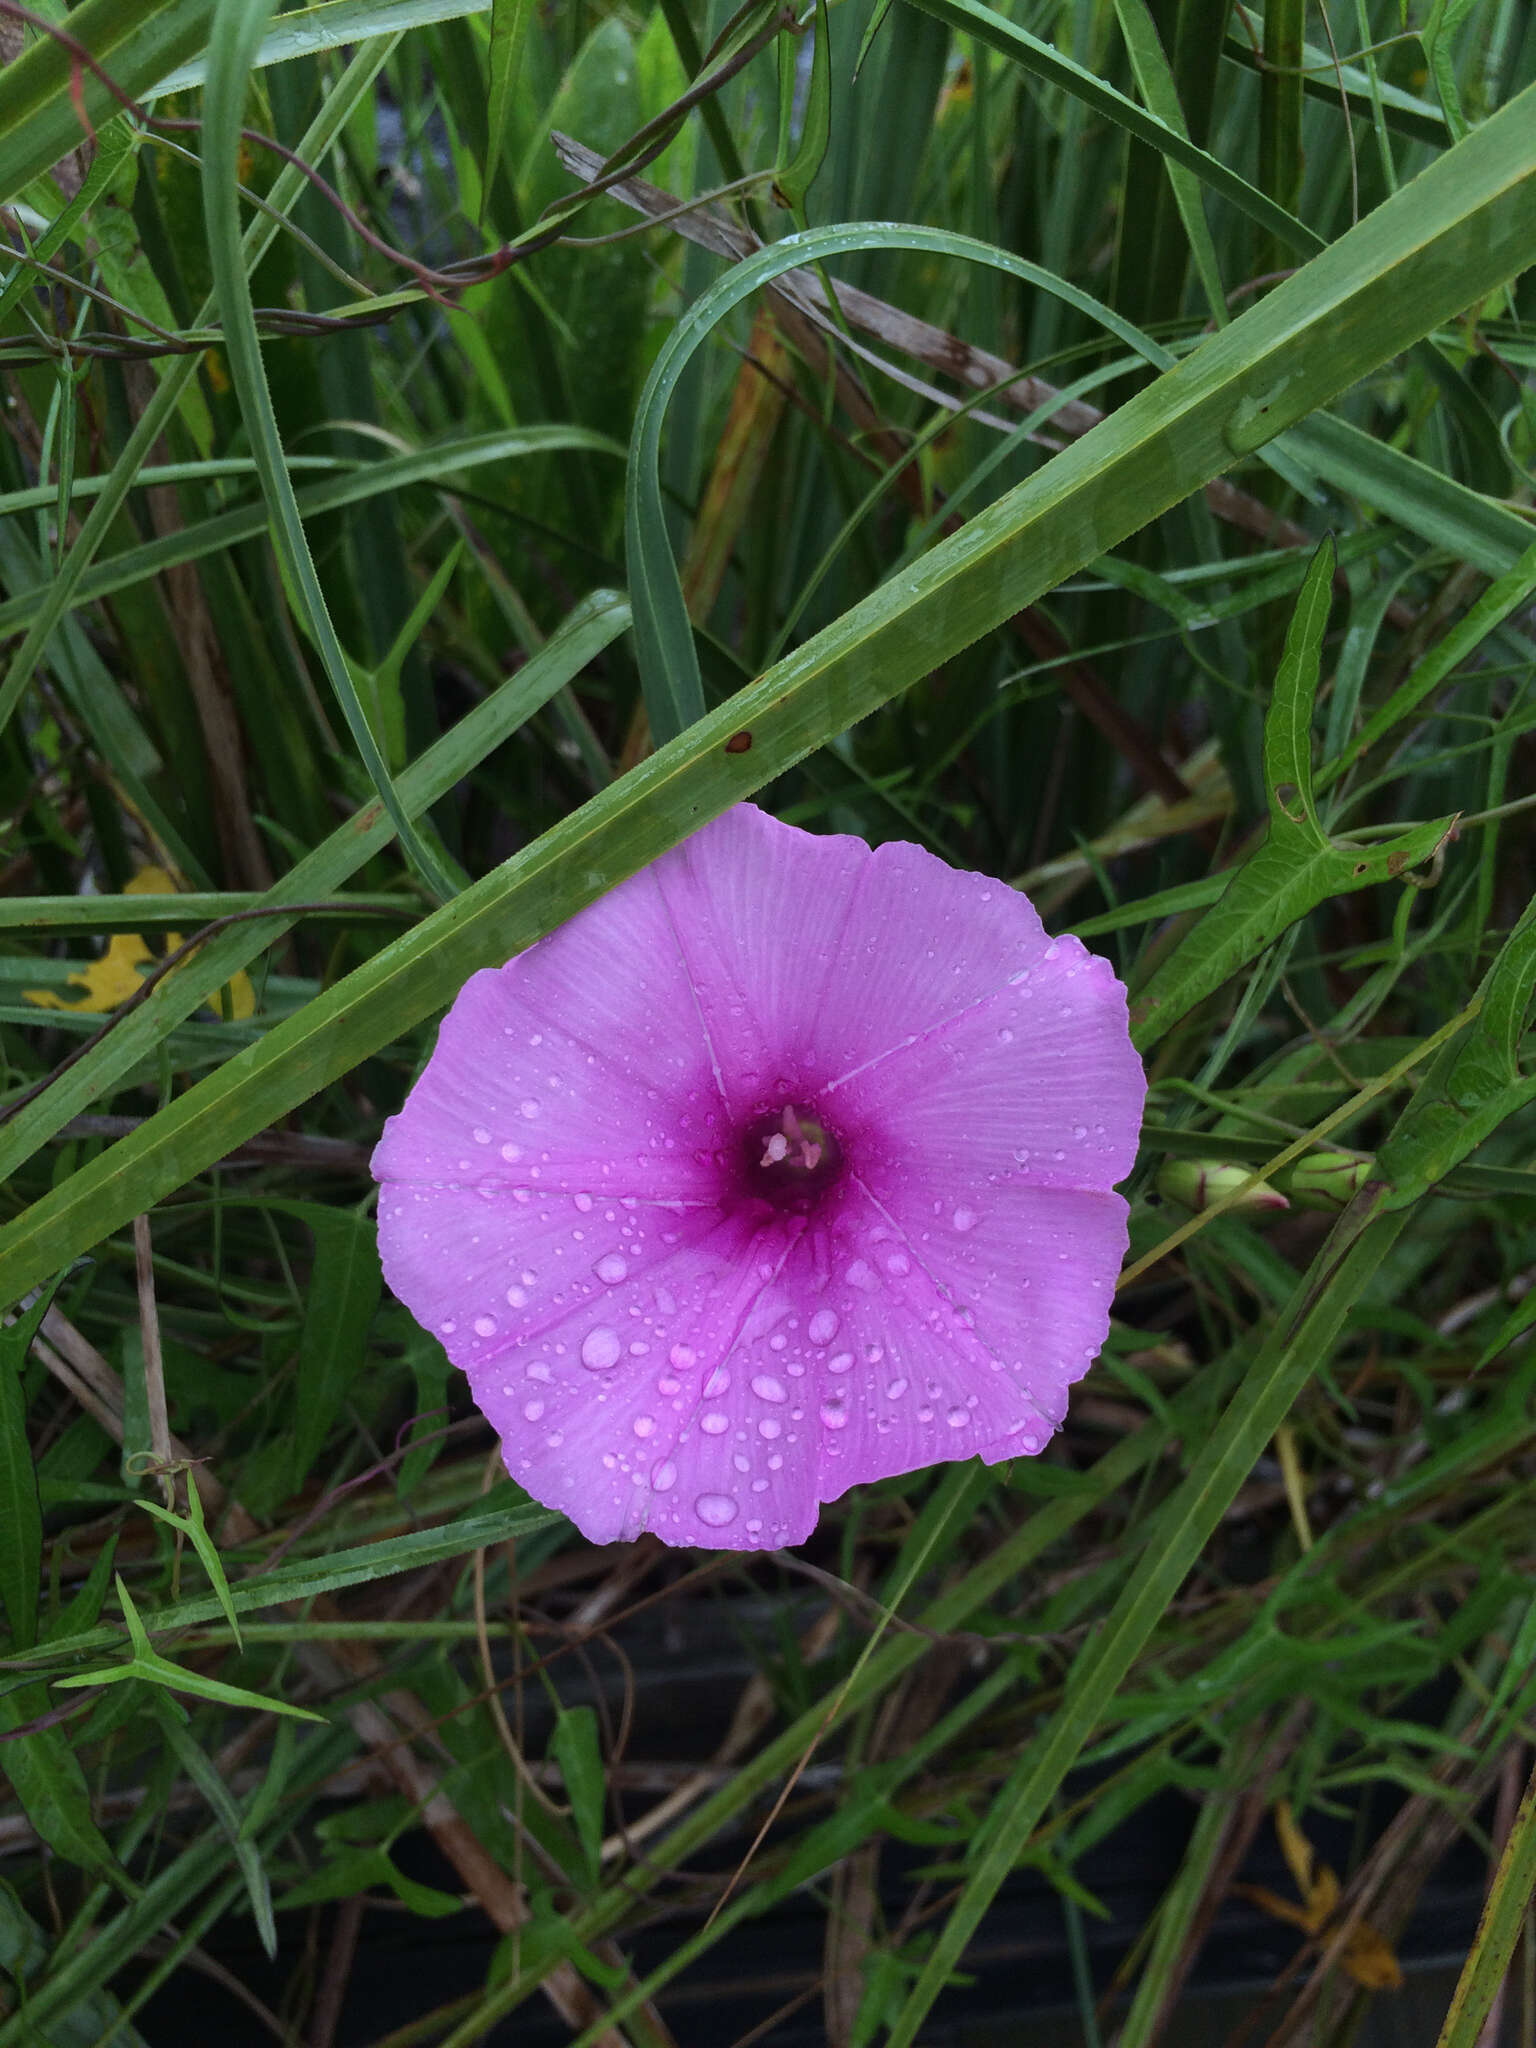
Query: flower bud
1202	1183
1327	1180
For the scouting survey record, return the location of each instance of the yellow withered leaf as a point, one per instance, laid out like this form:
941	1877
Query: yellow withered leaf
1367	1955
117	975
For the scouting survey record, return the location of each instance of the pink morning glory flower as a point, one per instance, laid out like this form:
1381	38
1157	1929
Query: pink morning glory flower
787	1165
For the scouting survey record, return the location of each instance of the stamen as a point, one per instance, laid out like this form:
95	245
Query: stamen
790	1156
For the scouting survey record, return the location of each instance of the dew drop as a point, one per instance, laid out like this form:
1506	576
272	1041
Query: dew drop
714	1424
644	1425
716	1510
532	1410
767	1388
448	1327
511	1153
664	1477
770	1427
965	1219
538	1371
833	1416
481	1135
898	1264
858	1274
611	1268
485	1326
682	1356
823	1326
600	1349
957	1418
529	1108
841	1362
895	1390
583	1202
516	1296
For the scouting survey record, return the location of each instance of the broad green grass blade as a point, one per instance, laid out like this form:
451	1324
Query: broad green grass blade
329	25
1458	230
593	626
135	42
1504	1919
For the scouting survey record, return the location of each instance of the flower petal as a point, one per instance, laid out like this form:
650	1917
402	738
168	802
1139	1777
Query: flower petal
758	909
1032	1272
556	1071
1037	1085
595	1335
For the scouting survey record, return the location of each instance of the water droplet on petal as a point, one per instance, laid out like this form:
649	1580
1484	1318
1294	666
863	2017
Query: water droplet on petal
516	1296
643	1425
481	1135
611	1268
833	1416
664	1477
957	1418
858	1274
895	1390
485	1326
682	1356
770	1427
714	1424
767	1388
511	1153
529	1108
965	1219
823	1326
532	1410
898	1263
841	1362
716	1510
600	1349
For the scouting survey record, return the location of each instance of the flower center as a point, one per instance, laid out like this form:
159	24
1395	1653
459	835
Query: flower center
789	1155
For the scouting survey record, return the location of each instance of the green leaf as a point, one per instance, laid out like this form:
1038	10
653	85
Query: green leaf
575	1747
147	1663
344	1287
509	29
1504	1919
1297	866
21	1512
796	177
44	1772
1044	60
195	1529
664	643
592	626
44	94
237	29
175	380
1156	83
199	1769
1442	241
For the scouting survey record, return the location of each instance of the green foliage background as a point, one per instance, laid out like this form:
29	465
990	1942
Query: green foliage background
1092	440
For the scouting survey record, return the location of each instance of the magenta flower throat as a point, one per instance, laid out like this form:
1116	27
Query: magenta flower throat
785	1166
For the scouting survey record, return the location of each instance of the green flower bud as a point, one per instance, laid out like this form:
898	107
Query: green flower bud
1327	1180
1201	1183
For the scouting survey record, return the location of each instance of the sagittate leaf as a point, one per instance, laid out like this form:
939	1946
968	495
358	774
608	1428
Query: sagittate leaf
1297	866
